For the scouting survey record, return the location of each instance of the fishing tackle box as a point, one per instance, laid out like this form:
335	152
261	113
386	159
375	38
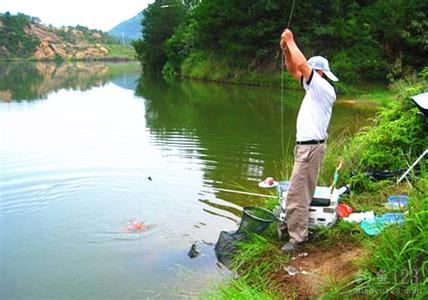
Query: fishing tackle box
323	208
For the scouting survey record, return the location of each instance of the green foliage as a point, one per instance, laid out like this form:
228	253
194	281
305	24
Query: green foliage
219	68
160	20
344	66
17	38
345	232
401	27
254	259
257	258
180	45
396	137
14	42
400	130
248	27
381	39
201	65
168	72
79	33
239	290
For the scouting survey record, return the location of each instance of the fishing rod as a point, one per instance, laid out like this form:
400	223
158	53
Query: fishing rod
244	193
291	13
282	82
412	166
222	189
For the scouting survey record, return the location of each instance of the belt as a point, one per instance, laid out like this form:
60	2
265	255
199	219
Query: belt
310	142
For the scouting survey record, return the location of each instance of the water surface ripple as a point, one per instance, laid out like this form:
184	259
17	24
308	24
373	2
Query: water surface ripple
83	159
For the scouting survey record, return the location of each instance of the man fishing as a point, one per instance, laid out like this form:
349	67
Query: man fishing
312	123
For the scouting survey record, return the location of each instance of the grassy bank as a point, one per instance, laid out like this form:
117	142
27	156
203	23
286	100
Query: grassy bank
116	52
343	262
203	66
121	51
223	69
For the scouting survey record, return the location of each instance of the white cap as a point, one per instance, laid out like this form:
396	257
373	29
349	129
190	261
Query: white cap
321	63
421	100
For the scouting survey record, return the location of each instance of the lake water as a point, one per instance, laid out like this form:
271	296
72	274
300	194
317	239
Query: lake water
88	150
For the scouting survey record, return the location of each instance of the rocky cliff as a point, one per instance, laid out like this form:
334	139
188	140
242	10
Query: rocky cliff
52	46
22	37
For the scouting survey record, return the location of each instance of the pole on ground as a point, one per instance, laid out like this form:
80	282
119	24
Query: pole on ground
412	166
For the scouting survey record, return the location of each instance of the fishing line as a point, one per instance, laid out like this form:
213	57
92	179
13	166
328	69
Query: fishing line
282	105
244	193
282	82
291	13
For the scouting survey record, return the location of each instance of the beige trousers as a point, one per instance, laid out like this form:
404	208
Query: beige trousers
308	160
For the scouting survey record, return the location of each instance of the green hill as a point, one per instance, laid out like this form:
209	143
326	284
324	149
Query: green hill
24	37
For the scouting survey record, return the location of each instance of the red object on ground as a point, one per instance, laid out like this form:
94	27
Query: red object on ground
344	210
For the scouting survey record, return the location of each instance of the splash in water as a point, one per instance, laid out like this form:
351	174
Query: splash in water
134	227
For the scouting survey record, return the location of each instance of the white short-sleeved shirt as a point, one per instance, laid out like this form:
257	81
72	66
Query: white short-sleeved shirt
315	111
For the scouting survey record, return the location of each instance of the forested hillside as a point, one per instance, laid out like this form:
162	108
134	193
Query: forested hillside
363	39
24	37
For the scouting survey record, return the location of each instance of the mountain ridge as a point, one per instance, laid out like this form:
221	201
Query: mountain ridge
128	30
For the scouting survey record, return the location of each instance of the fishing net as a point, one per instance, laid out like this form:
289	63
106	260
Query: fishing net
254	220
226	246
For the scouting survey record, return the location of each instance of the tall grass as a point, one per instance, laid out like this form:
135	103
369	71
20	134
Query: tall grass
399	262
239	289
256	258
398	258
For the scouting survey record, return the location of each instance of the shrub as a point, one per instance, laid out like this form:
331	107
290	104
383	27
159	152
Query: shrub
396	137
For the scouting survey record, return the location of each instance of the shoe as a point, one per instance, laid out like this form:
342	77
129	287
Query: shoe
290	247
311	236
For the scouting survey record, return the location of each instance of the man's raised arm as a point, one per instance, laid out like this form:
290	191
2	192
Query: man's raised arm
295	61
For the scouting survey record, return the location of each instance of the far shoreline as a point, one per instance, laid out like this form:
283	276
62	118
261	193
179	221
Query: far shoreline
107	59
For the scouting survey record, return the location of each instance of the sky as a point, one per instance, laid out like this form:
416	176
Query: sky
95	14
